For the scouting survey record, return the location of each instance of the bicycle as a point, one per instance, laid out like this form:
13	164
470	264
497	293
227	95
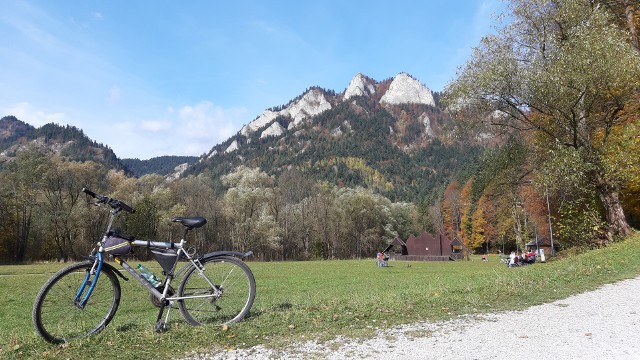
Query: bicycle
216	288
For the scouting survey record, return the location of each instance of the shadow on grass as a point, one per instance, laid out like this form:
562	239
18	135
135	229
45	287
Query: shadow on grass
278	307
283	306
127	327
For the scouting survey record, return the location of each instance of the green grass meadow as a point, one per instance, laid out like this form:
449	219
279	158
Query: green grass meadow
315	300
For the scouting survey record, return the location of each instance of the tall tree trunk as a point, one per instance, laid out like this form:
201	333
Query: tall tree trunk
632	21
23	226
616	220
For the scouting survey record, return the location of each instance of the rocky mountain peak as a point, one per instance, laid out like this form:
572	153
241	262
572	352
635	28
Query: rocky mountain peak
261	121
274	130
177	171
406	90
360	85
312	103
403	89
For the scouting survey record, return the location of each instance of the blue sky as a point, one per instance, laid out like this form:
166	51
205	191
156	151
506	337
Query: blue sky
152	78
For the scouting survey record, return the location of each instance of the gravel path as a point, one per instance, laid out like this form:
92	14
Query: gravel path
601	324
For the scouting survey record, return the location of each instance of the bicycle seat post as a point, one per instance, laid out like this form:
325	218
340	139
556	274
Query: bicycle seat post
185	234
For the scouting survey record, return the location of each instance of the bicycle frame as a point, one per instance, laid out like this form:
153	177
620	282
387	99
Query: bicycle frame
170	276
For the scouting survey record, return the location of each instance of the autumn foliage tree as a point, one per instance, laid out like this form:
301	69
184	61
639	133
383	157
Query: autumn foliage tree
466	212
450	210
560	69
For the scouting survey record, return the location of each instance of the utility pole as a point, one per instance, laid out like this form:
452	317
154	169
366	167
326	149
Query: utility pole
553	250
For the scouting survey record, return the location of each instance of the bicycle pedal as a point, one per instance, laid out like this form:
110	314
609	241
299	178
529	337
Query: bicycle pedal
160	327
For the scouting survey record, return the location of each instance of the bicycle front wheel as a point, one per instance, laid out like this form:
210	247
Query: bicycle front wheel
58	319
222	293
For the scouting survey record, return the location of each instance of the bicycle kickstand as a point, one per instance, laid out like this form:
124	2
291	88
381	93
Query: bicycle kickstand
161	326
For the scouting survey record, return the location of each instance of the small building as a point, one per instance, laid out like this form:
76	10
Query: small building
426	247
397	246
458	250
541	243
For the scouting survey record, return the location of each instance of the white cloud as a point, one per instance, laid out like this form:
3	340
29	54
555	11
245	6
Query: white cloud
192	149
207	123
187	130
155	126
124	126
27	113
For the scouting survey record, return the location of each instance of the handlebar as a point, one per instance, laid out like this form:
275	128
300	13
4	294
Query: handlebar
89	192
115	204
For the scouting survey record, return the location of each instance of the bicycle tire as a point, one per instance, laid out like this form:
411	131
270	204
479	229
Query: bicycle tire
233	277
57	319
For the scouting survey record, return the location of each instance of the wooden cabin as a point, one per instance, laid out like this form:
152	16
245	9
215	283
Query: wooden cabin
426	247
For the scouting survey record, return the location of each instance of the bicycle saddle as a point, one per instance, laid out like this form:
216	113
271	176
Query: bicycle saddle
190	222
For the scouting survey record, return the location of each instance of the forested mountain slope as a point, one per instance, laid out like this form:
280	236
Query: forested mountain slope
161	165
387	136
65	141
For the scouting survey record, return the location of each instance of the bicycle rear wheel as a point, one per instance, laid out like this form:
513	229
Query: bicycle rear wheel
237	290
58	319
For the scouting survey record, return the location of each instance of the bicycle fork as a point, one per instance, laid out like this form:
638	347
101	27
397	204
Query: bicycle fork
79	300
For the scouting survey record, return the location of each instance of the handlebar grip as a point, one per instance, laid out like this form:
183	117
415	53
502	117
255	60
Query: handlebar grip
89	192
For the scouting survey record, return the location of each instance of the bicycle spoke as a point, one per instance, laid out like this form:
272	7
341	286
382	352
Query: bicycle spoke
235	291
58	319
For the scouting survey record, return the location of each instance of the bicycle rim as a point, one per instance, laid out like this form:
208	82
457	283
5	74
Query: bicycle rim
55	316
234	279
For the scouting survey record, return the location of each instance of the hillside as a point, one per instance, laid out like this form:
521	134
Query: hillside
162	165
65	141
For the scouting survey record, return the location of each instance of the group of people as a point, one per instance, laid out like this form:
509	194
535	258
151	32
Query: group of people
382	259
522	259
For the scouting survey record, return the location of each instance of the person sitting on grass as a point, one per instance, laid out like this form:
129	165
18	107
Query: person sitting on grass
380	258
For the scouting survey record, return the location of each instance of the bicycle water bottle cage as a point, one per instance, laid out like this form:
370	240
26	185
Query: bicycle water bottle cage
191	222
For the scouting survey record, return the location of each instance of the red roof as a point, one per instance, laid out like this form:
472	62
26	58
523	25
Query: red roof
429	244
